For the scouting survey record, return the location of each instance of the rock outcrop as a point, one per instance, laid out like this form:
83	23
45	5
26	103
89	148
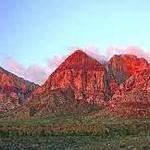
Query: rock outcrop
82	84
58	102
124	66
83	74
13	90
132	99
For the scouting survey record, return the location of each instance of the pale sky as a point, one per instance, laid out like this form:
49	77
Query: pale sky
34	33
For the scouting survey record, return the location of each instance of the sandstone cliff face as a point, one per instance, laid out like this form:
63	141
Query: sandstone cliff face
119	82
83	74
82	84
124	66
13	90
132	99
76	86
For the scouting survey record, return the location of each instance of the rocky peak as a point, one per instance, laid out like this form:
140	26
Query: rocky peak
124	66
132	99
84	74
79	60
13	90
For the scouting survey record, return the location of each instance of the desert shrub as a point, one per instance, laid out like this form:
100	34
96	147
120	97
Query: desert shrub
32	111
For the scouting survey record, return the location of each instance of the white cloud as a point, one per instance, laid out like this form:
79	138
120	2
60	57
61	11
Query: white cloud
133	50
33	73
39	74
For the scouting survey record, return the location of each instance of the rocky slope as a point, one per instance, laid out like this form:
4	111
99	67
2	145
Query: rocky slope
132	99
77	85
94	83
82	84
54	102
124	66
13	90
83	74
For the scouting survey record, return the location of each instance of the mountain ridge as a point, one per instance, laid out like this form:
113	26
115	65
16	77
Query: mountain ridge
94	86
14	90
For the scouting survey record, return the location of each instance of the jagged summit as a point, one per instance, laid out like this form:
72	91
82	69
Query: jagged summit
79	52
84	74
128	56
124	65
80	60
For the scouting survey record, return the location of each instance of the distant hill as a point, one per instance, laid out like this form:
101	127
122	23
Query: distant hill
13	90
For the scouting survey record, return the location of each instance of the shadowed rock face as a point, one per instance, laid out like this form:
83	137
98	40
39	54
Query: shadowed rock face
13	90
60	101
83	74
54	102
132	99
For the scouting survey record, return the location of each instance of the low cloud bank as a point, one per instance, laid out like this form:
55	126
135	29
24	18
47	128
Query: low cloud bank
39	74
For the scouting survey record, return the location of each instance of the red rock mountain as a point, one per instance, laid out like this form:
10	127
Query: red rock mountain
95	83
13	90
83	74
132	99
124	66
75	86
81	83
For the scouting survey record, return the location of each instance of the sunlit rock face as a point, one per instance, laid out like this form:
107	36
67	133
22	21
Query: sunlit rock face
13	90
83	74
78	85
132	99
124	66
82	84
